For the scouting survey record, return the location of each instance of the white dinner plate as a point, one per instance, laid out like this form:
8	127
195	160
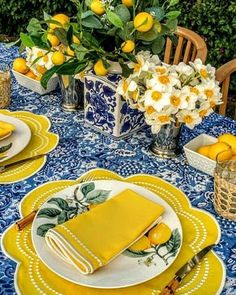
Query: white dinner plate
19	138
127	269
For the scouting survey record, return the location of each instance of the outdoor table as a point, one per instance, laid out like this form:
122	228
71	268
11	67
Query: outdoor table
80	149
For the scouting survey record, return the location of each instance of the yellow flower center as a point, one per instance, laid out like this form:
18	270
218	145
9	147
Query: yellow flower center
134	94
187	98
137	67
209	93
164	79
164	118
39	54
188	119
203	73
125	86
175	100
202	113
161	70
150	110
194	90
156	95
212	104
45	58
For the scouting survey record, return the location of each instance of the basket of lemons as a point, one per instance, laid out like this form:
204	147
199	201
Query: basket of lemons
29	75
203	151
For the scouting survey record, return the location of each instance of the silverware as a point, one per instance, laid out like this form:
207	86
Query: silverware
28	219
4	167
184	271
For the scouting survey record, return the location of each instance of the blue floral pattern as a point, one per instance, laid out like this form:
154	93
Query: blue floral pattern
106	111
81	149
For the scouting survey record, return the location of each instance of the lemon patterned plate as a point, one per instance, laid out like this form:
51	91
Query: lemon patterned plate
200	229
19	138
130	268
41	142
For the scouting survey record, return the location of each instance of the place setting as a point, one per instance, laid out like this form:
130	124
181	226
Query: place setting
25	141
103	231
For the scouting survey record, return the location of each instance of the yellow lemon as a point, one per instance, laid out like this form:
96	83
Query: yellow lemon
160	234
97	7
233	158
20	66
41	69
99	68
128	46
70	51
92	206
143	22
76	40
204	150
228	138
30	74
217	148
225	155
6	128
38	78
142	244
128	3
58	58
53	40
61	18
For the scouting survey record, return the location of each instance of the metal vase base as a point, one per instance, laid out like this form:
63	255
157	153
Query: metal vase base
69	108
164	154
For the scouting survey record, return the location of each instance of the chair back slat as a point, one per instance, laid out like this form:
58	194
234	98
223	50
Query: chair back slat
223	75
178	51
168	51
187	52
194	52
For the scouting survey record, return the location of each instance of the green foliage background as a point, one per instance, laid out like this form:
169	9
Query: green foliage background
214	20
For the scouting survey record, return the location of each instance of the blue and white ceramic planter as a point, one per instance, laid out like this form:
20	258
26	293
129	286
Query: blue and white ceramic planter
105	110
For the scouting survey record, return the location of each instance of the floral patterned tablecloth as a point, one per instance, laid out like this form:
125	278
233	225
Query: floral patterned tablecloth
81	149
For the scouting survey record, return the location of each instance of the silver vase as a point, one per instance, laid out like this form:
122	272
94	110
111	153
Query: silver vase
165	143
72	92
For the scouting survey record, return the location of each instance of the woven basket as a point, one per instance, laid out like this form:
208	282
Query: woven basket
225	197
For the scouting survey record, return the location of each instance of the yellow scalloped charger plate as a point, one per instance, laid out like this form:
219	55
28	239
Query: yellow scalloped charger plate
42	142
199	230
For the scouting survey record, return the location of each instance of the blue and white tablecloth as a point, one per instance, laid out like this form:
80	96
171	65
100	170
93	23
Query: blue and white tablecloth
81	149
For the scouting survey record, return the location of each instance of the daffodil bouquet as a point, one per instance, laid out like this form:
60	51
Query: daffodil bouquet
100	31
178	94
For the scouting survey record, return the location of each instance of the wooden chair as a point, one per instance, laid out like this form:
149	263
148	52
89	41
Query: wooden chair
190	46
223	76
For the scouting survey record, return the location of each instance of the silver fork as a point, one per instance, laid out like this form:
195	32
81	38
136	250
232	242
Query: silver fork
28	219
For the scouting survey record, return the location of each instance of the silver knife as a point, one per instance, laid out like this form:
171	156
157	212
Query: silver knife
184	271
4	167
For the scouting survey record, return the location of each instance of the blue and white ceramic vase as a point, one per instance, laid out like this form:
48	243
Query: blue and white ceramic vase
105	110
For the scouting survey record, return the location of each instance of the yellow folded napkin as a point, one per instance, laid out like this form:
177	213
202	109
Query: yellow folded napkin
96	237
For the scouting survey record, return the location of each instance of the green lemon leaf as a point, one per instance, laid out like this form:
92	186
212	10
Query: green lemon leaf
158	45
173	2
63	217
135	254
114	19
42	229
61	203
97	196
148	36
92	22
61	35
123	12
157	12
5	148
87	188
34	26
173	14
26	40
48	213
46	16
